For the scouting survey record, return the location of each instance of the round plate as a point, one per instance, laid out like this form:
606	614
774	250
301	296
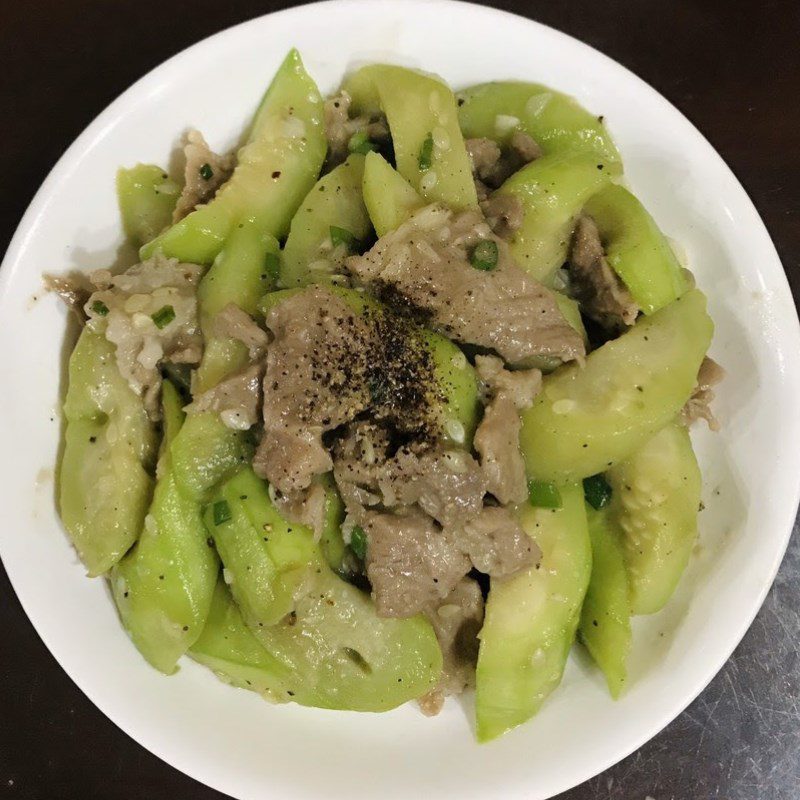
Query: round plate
232	740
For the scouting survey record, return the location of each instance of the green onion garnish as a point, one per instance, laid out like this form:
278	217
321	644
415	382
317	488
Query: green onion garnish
272	267
206	172
597	491
221	512
360	143
163	316
358	542
100	308
485	255
426	153
342	236
543	494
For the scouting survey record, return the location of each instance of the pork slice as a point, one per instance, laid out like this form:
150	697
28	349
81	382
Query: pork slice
326	365
204	173
426	263
599	291
305	508
493	166
520	386
497	437
73	290
149	312
457	621
234	323
497	443
411	564
446	484
525	147
698	406
504	213
484	155
497	544
290	456
310	385
359	461
237	398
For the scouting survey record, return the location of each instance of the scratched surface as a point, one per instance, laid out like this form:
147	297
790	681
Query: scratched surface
732	69
740	740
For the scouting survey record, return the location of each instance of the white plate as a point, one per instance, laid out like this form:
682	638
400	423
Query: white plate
230	739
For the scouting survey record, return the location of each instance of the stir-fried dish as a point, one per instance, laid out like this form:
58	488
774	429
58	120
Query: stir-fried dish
395	402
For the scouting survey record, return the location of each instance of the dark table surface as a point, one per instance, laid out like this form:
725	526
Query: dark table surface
734	73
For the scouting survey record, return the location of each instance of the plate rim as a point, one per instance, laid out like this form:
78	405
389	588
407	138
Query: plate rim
96	128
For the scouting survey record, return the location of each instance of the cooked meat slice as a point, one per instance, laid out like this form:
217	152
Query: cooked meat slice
504	213
411	564
289	457
446	484
484	154
597	288
497	437
492	166
318	348
482	190
359	459
326	365
497	544
237	399
524	147
698	406
204	173
150	313
521	385
432	702
497	443
425	264
73	290
457	622
305	508
340	128
237	324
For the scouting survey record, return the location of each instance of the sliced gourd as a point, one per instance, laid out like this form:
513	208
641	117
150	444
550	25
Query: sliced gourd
557	122
274	171
163	586
655	502
423	120
147	197
553	190
531	618
389	198
605	626
330	224
636	249
109	452
587	418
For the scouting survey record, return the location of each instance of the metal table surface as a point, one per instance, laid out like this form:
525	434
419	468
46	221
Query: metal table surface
733	69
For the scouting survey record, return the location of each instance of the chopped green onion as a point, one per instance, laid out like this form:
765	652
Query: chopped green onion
100	308
544	494
426	153
485	255
342	236
272	265
360	143
163	316
597	491
358	542
206	172
221	512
